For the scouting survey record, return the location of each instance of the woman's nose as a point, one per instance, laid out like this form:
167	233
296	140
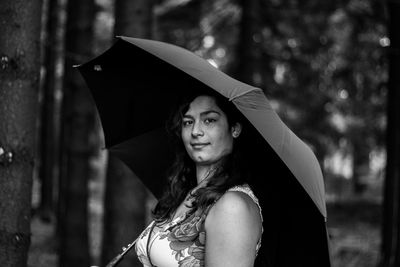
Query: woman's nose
197	130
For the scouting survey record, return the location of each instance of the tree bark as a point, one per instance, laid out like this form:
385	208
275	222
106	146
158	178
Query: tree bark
19	85
125	195
360	162
78	127
390	249
134	18
248	47
50	110
124	214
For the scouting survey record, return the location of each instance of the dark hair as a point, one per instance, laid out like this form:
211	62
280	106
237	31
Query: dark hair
182	174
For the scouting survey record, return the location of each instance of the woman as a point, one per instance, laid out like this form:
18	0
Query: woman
209	216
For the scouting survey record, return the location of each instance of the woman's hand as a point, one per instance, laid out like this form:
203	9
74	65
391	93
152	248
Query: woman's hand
233	228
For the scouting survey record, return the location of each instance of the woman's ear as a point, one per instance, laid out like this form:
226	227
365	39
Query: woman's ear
236	130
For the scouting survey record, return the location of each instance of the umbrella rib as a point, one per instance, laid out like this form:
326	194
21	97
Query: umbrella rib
243	93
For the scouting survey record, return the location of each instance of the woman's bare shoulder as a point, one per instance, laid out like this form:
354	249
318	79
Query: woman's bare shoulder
233	229
235	206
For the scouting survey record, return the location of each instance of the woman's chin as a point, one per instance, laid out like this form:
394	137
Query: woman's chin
204	161
201	160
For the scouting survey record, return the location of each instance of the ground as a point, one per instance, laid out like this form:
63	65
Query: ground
354	229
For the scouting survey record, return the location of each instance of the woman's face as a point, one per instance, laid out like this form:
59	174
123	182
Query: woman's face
205	132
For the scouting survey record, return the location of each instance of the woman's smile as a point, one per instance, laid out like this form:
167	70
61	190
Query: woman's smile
199	145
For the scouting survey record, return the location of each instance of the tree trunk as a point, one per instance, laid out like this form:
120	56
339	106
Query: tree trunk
360	162
390	249
125	195
78	127
19	86
248	48
50	111
124	214
134	18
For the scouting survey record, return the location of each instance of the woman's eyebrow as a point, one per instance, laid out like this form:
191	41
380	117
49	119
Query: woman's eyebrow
210	111
204	113
187	116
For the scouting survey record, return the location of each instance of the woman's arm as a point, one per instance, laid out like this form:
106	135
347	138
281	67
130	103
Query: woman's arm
233	228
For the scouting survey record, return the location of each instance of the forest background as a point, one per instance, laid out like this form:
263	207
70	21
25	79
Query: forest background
328	68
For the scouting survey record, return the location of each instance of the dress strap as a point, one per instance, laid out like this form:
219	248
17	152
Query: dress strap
245	188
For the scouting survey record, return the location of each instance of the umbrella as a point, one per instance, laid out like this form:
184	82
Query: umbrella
135	84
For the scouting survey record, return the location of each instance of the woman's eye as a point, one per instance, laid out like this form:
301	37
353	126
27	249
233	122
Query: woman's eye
209	120
186	123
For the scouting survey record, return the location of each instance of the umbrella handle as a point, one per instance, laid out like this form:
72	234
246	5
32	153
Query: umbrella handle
119	257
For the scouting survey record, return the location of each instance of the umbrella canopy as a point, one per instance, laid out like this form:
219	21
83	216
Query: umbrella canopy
137	82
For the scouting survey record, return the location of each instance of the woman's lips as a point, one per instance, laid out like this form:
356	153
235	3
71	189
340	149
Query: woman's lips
198	145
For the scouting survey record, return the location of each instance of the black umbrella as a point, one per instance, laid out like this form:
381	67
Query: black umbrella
135	85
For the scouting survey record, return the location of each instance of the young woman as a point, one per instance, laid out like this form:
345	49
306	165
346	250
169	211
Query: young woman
209	216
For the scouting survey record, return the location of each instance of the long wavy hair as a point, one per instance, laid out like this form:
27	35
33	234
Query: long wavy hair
229	172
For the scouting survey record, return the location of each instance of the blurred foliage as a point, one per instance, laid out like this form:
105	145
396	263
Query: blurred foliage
321	63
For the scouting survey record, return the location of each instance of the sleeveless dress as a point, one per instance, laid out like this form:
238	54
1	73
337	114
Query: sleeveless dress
180	242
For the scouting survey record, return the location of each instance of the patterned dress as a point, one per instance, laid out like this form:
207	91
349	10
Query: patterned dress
181	242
